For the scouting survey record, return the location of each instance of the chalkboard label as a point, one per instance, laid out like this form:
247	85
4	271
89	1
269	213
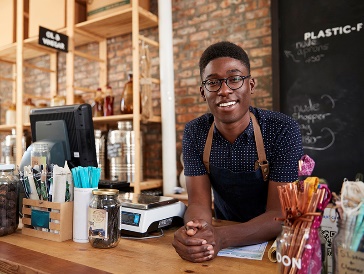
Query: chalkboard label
52	39
321	68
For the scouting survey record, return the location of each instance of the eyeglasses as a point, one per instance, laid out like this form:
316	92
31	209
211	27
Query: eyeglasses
233	82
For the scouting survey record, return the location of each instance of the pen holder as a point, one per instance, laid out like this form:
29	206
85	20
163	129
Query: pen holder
47	220
82	198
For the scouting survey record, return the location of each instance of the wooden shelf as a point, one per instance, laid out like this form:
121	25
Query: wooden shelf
122	117
111	25
115	24
149	184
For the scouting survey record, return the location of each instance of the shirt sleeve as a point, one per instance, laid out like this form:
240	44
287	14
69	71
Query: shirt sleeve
192	152
286	151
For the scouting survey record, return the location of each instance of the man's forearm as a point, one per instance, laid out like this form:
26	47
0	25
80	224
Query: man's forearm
196	211
260	229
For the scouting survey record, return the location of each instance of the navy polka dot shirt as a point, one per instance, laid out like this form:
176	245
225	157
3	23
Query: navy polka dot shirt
281	137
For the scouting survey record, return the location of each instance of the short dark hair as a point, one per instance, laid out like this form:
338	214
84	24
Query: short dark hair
223	49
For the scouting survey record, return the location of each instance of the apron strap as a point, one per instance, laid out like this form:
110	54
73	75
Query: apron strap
207	150
262	159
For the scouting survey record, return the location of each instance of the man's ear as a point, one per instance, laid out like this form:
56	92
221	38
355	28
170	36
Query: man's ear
202	92
252	85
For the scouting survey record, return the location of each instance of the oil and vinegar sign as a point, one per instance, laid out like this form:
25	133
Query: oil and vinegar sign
52	39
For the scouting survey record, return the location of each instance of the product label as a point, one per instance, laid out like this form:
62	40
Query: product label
38	161
350	262
97	222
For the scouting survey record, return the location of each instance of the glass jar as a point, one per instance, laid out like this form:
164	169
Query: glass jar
9	204
10	115
342	239
39	154
299	250
103	218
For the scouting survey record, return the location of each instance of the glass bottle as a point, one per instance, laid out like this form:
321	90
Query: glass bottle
108	102
104	218
126	103
9	203
342	239
98	105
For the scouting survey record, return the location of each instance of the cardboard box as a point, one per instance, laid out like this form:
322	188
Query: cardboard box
98	8
57	219
52	14
8	22
328	231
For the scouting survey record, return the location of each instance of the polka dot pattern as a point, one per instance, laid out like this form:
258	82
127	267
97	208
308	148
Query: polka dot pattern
281	137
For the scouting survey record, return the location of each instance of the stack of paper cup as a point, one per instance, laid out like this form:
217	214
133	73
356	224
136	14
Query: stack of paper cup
82	198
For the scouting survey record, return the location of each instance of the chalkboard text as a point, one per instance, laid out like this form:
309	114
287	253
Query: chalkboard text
332	31
310	113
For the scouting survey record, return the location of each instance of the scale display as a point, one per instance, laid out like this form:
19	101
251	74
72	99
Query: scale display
130	218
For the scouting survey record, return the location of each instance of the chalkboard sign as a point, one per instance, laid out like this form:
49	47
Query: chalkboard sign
321	82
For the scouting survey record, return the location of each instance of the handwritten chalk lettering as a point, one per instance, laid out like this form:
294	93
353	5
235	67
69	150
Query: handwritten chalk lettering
287	261
306	129
307	108
314	59
310	118
347	29
312	140
306	43
313	49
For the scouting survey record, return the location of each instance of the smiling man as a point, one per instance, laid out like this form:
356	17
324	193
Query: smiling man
241	152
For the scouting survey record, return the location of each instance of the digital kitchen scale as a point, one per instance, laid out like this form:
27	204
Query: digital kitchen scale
143	214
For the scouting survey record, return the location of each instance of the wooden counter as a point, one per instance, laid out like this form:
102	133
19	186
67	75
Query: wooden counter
25	254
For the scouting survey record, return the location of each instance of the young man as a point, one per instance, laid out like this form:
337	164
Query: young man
226	160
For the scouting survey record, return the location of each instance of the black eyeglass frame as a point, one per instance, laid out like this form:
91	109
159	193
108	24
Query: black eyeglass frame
203	83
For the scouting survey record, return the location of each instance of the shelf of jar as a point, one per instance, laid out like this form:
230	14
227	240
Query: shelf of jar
97	29
149	184
6	128
123	117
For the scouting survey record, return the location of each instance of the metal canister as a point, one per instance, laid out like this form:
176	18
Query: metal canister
9	203
104	218
121	153
8	148
100	151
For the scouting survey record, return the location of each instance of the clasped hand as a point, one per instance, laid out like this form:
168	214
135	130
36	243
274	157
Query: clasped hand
196	241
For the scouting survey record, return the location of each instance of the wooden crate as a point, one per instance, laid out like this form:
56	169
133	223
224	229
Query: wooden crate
60	220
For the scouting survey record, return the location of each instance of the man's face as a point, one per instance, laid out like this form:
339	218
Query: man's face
227	105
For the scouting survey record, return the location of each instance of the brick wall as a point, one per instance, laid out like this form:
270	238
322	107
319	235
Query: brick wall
196	24
199	23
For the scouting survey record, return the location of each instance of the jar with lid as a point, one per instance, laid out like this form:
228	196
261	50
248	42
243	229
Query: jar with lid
342	240
103	218
27	107
58	100
10	115
39	154
9	204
